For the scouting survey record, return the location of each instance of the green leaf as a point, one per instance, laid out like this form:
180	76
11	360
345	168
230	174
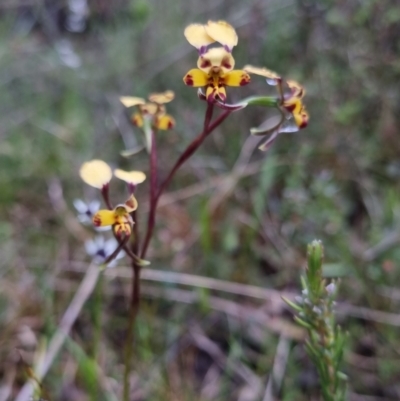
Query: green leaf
292	304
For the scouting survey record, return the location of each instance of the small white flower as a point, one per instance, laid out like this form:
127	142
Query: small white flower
100	249
331	288
86	211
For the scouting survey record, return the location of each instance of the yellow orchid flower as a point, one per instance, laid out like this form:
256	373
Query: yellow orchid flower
119	218
215	66
291	101
155	109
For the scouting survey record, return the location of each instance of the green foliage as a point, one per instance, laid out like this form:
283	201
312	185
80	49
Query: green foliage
338	180
315	312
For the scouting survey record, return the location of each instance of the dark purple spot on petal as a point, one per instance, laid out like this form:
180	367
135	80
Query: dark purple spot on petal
290	108
245	80
205	63
189	80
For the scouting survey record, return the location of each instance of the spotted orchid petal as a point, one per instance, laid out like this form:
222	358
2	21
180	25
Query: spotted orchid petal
130	205
164	122
149	108
196	78
215	60
236	78
215	93
137	119
104	218
96	173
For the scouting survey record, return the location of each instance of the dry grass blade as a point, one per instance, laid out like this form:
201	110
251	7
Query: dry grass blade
278	369
71	314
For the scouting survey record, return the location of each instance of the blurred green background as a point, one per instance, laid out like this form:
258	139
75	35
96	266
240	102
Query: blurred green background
232	213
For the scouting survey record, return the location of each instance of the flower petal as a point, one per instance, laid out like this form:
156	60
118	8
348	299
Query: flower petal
80	205
296	89
236	78
137	120
220	94
161	98
210	93
122	230
269	126
130	101
90	247
301	118
96	173
272	77
268	143
197	36
131	177
149	108
104	218
195	78
131	203
215	59
165	122
131	152
223	33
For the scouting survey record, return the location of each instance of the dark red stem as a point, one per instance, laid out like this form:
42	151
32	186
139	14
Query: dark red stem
192	147
106	196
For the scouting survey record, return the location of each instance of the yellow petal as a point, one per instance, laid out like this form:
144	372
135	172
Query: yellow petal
131	177
236	78
137	119
197	36
216	58
293	105
161	98
301	118
165	122
131	204
122	230
96	173
296	89
195	78
104	218
129	101
222	32
220	94
264	72
210	93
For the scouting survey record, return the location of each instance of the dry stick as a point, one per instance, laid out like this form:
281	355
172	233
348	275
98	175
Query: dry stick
85	289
